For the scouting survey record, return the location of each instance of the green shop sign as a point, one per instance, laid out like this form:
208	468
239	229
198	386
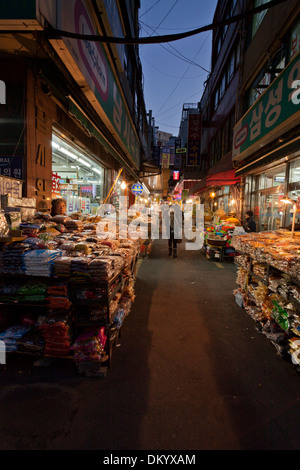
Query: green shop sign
275	112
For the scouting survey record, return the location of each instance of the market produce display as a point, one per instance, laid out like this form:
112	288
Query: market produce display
217	240
78	288
268	277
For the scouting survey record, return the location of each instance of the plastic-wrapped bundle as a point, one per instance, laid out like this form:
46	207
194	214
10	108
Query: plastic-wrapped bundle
12	259
119	317
260	293
295	292
32	292
97	314
11	335
74	225
101	268
90	345
40	262
241	277
31	342
57	298
80	267
62	266
4	226
55	329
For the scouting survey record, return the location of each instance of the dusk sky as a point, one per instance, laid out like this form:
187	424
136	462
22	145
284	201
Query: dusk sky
174	72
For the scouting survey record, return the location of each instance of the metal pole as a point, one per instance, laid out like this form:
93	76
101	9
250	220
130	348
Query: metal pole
110	191
293	223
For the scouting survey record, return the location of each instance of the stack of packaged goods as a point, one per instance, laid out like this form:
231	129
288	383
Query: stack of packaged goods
101	269
40	262
269	283
55	327
82	269
32	292
57	298
12	259
56	332
278	249
62	267
74	225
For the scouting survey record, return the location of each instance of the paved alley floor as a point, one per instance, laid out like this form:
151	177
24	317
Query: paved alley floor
191	373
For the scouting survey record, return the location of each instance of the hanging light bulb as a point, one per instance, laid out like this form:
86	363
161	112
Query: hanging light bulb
123	185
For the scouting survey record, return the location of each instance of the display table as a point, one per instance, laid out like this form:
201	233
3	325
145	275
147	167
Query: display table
217	242
65	294
268	277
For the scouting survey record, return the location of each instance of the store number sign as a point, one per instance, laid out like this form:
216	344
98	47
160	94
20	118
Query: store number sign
137	189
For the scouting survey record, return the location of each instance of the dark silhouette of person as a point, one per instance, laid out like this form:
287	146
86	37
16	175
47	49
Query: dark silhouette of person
249	224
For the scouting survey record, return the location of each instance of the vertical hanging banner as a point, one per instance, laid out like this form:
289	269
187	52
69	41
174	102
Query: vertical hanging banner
165	157
194	140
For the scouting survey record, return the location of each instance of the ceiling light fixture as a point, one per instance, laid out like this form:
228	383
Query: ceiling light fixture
84	163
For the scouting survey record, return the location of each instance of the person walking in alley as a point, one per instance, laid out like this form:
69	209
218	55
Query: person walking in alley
172	242
172	219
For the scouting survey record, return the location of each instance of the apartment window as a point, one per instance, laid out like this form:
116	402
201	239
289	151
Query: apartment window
222	142
231	4
294	43
222	86
227	75
231	67
266	76
295	173
217	150
216	99
258	17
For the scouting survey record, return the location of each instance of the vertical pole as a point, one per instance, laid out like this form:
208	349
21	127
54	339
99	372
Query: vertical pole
294	218
110	191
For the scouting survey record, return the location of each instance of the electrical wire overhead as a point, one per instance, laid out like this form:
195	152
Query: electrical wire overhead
57	33
179	55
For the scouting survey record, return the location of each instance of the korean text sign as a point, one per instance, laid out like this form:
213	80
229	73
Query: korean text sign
273	110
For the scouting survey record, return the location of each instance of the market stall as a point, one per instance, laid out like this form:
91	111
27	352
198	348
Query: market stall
64	290
218	236
268	277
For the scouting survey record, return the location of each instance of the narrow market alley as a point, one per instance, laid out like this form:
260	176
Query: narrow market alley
191	373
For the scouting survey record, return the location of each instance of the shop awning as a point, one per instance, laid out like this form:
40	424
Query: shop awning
199	187
149	168
224	178
190	184
221	174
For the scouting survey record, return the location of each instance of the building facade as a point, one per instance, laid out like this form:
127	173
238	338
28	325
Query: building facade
250	114
266	143
219	187
74	113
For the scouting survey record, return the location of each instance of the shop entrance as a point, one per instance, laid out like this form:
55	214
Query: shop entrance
272	210
76	176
